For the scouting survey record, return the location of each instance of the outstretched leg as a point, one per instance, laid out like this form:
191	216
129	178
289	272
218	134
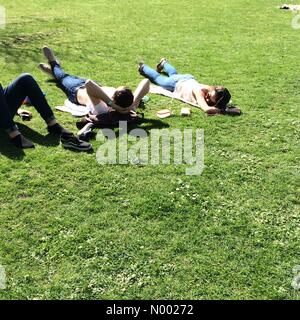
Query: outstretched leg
165	66
169	69
155	77
67	83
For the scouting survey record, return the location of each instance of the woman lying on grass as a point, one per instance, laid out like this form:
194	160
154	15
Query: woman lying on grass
99	100
211	99
12	97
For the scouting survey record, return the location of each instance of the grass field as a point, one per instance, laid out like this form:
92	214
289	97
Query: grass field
72	229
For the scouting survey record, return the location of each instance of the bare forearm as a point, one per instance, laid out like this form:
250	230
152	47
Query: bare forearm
201	102
203	105
96	93
142	89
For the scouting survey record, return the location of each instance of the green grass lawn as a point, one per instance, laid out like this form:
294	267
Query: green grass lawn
72	229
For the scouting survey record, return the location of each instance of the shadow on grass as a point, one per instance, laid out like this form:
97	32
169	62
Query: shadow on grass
145	124
148	125
18	48
8	150
48	140
11	152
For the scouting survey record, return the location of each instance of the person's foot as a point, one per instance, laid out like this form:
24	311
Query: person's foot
44	67
160	66
57	129
141	65
49	54
21	142
74	143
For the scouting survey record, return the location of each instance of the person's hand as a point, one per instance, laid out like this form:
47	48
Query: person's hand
91	118
120	110
212	111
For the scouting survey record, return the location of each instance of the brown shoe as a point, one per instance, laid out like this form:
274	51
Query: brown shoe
46	69
160	66
49	54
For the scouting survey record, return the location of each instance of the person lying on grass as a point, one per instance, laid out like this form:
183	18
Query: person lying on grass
12	97
211	99
98	99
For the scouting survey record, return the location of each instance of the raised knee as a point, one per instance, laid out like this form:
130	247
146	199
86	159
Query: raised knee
26	79
26	76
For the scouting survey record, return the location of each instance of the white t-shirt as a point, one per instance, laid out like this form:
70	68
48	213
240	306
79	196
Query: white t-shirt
184	90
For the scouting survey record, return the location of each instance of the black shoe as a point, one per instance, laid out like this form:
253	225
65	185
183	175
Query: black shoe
74	143
21	142
57	129
160	65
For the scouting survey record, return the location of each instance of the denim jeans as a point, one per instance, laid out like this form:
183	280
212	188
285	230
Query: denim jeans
67	83
12	97
167	82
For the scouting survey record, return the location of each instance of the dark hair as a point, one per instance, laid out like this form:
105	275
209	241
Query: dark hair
123	97
223	97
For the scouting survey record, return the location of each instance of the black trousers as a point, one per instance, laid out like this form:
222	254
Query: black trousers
12	97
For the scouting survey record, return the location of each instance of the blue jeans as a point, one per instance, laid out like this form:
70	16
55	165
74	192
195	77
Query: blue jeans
67	83
12	97
169	82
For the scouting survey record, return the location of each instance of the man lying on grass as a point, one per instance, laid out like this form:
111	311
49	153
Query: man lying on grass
12	97
99	100
211	99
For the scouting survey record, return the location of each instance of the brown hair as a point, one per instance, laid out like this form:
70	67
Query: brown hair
123	97
223	97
